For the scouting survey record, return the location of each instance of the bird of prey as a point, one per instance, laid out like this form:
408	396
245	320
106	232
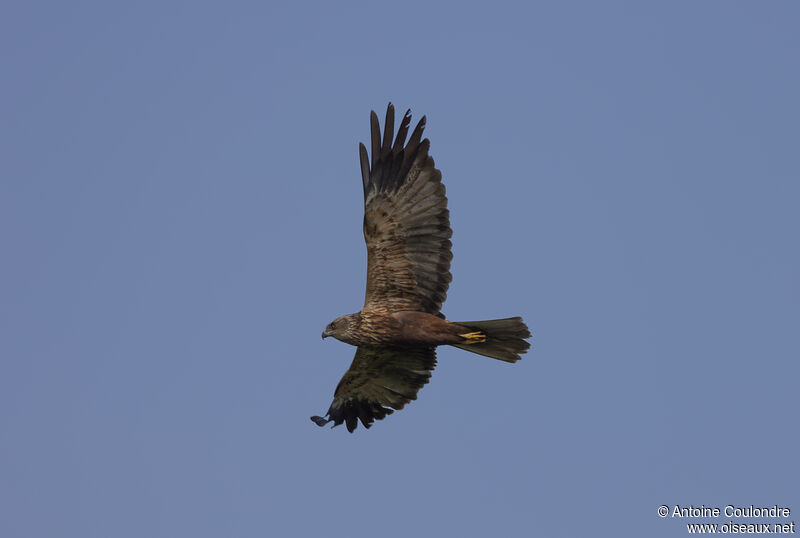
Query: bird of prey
407	231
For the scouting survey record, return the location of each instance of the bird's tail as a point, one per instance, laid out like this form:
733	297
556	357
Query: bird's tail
501	339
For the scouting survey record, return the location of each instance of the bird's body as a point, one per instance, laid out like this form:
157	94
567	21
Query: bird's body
407	232
404	328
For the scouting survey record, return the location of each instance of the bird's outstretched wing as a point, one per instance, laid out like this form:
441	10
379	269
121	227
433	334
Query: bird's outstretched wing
406	221
379	381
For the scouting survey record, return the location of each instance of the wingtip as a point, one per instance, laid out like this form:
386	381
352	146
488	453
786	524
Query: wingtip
319	421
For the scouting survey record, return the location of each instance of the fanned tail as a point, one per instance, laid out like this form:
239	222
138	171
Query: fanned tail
501	339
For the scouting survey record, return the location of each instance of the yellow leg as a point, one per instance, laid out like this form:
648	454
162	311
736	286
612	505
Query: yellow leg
476	337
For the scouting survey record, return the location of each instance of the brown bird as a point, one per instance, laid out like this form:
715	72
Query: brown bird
407	230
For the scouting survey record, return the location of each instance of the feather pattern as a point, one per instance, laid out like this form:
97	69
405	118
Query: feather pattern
406	221
379	381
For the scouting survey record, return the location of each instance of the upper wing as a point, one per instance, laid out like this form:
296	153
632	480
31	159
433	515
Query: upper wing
406	221
379	380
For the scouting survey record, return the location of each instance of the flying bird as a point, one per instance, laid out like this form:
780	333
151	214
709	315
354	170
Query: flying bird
407	231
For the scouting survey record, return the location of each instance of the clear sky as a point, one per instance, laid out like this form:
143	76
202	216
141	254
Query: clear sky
180	216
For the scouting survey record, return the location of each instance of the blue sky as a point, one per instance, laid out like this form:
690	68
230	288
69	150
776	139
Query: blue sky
180	212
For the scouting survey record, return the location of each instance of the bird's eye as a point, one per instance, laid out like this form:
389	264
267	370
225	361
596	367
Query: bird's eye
332	325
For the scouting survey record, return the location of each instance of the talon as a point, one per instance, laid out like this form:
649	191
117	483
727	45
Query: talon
476	337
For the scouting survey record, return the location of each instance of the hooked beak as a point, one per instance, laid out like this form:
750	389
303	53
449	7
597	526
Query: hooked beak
325	334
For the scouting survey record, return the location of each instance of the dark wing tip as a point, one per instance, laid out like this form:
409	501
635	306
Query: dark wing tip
388	128
423	121
364	159
319	421
351	421
402	132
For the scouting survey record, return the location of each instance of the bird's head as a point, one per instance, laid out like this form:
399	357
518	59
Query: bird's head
338	328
